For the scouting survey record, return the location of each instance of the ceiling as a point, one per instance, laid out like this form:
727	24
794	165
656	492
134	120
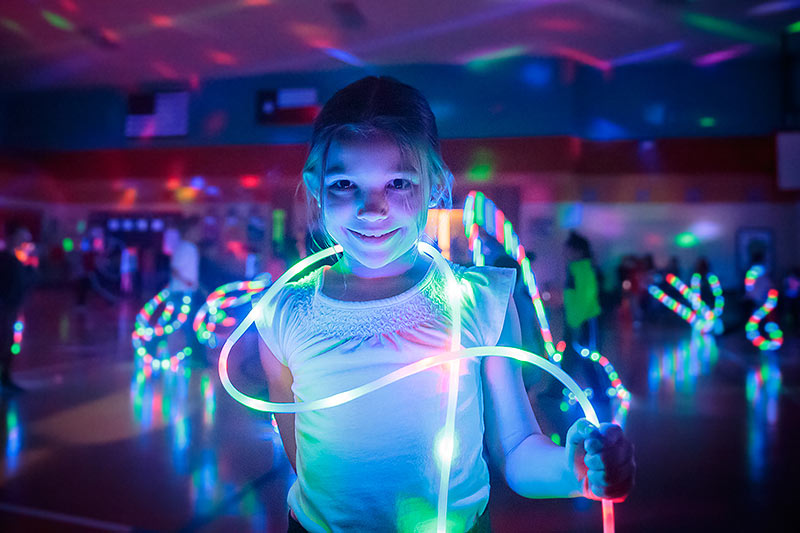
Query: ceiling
65	43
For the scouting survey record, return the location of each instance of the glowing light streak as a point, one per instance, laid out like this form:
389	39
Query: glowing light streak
344	57
793	28
57	21
728	29
722	55
647	55
582	57
485	60
769	8
12	25
267	303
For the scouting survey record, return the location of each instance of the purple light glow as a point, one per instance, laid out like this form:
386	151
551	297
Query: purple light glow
722	55
769	8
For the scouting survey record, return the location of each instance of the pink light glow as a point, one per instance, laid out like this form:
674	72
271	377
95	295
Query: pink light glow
582	57
559	24
221	58
722	55
161	21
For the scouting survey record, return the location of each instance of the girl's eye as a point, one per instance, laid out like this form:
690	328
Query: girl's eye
400	184
342	185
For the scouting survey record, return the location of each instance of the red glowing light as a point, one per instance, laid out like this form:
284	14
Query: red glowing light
237	248
221	58
161	21
173	183
249	181
582	57
561	346
164	69
69	5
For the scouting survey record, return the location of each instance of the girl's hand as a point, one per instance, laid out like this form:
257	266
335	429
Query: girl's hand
601	459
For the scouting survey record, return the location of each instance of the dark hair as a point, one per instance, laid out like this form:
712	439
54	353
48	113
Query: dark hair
580	244
371	107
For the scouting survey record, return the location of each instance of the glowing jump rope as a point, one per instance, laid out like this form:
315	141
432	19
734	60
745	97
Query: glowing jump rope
699	316
751	328
481	212
214	312
19	328
265	308
145	332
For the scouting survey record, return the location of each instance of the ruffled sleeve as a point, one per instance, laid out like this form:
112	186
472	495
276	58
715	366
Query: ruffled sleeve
487	291
276	319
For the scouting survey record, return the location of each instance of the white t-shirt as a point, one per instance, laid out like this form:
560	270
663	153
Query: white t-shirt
186	260
369	465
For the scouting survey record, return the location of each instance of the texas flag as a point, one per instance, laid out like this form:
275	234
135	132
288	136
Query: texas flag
287	106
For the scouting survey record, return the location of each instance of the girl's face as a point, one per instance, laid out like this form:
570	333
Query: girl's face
371	206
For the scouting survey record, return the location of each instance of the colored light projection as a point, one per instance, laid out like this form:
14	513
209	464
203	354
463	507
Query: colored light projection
699	316
775	339
149	329
445	445
481	212
215	311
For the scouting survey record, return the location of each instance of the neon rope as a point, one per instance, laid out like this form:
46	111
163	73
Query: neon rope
452	357
752	327
503	231
480	211
212	313
19	328
145	332
775	340
699	316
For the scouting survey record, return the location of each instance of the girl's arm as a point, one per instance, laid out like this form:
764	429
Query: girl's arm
597	462
532	465
279	382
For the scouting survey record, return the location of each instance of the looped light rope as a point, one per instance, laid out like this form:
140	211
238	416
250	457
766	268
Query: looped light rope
266	306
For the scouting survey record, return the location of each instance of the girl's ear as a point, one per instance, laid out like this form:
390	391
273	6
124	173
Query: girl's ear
312	185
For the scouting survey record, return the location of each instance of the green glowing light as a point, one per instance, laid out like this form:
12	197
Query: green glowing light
794	28
57	21
68	244
708	122
564	406
15	349
686	239
278	225
729	29
483	61
481	167
556	438
11	25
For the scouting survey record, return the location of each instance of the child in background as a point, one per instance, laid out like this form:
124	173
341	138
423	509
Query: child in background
373	170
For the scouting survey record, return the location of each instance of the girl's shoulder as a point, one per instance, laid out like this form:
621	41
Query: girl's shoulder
485	275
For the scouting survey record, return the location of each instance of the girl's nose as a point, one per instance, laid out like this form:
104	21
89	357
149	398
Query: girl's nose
373	208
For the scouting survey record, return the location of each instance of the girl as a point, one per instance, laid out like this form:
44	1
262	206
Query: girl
373	170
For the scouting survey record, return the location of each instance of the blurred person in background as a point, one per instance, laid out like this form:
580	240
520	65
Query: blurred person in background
17	273
185	281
